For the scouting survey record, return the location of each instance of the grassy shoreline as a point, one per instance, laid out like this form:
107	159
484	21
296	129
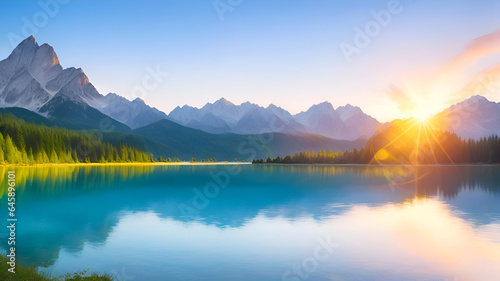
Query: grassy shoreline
25	273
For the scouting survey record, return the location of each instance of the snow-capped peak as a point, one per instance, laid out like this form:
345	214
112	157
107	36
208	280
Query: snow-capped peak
223	101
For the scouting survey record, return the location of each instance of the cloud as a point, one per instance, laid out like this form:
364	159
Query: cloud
480	47
444	86
403	100
485	83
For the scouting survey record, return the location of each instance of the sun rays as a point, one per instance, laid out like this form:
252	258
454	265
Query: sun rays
415	138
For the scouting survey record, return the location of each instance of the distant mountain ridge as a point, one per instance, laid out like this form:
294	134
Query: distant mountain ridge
222	116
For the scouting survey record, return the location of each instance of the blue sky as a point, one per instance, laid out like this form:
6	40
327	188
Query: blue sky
285	52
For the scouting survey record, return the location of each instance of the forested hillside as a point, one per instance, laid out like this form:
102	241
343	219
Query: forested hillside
407	142
29	143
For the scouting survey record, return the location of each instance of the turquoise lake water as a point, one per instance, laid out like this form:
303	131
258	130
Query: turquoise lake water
260	222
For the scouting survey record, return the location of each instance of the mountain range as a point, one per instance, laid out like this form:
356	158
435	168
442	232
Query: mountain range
346	122
31	78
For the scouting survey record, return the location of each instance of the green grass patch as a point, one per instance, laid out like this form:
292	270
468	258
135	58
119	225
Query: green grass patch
31	274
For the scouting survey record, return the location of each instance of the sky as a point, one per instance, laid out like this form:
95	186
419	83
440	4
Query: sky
393	59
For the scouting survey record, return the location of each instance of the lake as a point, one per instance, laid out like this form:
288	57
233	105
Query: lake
260	222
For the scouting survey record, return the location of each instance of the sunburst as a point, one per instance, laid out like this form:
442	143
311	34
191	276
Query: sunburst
421	130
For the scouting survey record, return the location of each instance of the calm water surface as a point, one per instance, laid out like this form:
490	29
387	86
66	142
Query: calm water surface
248	222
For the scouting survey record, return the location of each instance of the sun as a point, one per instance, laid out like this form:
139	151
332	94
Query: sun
422	116
425	106
423	112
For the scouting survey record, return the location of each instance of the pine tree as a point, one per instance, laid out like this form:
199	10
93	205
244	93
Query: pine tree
20	141
10	151
53	157
2	159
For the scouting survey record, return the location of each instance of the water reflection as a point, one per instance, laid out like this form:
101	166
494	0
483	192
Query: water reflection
403	222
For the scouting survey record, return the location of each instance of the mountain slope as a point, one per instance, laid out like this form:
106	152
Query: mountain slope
113	137
476	117
77	115
23	91
188	142
323	119
28	116
357	122
133	113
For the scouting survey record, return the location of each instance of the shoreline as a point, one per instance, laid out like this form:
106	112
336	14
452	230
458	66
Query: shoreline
238	163
127	164
376	165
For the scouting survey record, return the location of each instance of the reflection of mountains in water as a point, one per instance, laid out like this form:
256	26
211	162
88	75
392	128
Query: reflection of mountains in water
425	181
68	206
